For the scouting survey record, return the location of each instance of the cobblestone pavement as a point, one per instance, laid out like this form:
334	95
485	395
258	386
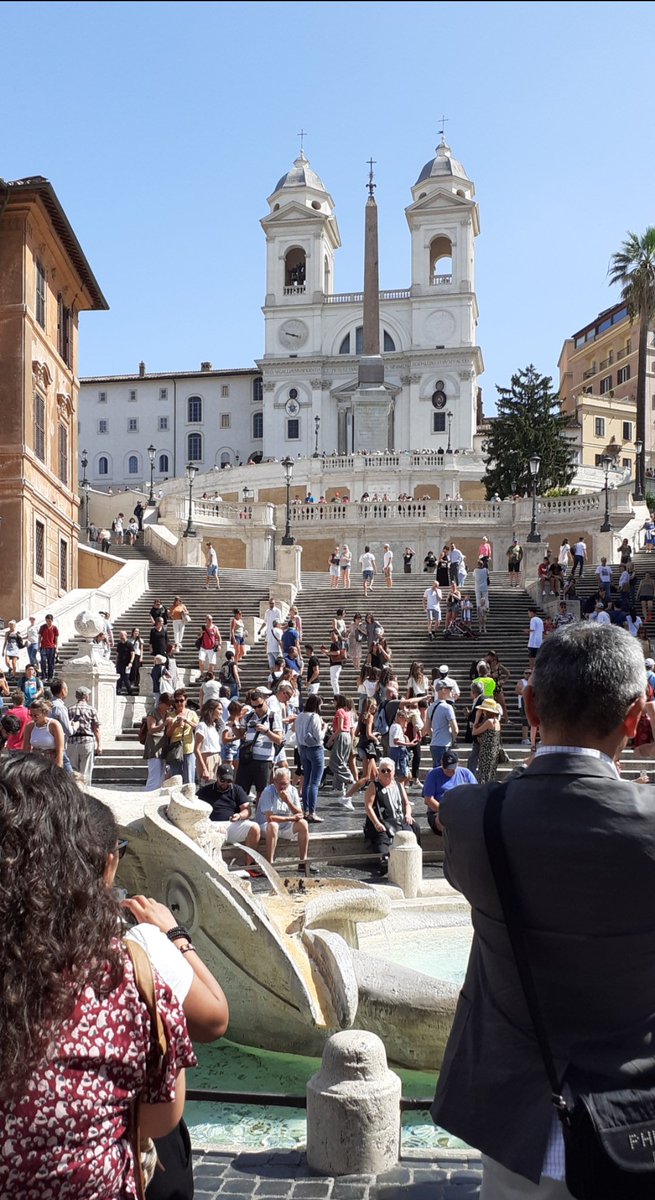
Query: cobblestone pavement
284	1174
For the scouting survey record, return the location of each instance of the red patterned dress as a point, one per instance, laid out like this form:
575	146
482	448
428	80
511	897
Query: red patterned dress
67	1135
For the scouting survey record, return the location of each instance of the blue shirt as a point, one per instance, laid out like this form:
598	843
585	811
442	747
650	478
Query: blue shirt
437	782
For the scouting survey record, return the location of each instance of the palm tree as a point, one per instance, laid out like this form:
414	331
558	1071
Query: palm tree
633	268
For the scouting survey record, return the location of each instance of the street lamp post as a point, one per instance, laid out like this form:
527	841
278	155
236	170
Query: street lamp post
151	455
317	426
191	472
606	463
638	493
535	463
287	465
449	418
85	485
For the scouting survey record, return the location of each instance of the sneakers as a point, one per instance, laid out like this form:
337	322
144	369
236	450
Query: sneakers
347	803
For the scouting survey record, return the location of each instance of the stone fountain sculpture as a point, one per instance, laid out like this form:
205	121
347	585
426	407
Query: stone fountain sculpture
288	961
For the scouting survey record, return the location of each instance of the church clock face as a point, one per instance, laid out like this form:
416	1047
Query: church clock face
293	334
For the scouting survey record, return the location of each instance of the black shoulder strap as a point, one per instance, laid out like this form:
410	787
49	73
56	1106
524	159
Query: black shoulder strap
502	873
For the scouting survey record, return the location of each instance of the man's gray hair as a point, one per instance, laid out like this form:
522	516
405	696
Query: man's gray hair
586	677
281	770
478	688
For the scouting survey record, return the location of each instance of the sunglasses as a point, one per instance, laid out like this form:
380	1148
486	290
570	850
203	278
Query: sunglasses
384	770
258	705
121	847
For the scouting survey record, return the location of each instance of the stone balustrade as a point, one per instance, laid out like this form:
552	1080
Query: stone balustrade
396	512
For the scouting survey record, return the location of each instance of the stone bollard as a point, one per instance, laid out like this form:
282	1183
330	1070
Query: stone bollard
406	864
353	1108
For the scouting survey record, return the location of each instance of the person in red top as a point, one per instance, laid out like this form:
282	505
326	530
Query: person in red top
210	641
48	642
18	710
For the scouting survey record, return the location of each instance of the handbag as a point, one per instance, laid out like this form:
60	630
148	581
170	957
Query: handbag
174	754
143	1148
186	618
609	1137
246	750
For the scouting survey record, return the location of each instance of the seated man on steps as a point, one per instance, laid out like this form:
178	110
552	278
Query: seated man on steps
387	810
279	814
231	808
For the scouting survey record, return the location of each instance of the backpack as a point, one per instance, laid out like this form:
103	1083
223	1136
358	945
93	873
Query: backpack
143	731
226	673
381	725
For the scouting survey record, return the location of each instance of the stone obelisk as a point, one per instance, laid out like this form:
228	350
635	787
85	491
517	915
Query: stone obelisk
372	402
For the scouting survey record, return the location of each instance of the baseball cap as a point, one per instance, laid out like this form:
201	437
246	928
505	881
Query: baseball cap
449	759
650	662
225	772
260	692
443	684
82	691
443	669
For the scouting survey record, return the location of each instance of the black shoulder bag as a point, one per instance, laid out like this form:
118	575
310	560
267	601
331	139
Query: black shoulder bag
609	1137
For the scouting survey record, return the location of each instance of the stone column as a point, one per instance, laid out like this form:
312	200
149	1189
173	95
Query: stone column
353	1108
406	864
288	577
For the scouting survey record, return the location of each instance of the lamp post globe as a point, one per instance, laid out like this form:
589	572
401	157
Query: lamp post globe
287	466
151	455
534	462
190	472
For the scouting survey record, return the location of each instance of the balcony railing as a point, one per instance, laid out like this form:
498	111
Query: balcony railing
295	289
357	297
394	512
440	280
589	372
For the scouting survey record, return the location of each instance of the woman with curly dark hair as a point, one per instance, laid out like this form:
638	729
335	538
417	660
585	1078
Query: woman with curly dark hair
77	1051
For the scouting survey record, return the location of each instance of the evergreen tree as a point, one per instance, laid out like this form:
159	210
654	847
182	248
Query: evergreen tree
530	421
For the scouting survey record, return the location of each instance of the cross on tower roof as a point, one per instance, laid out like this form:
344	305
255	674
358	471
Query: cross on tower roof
302	134
442	131
371	184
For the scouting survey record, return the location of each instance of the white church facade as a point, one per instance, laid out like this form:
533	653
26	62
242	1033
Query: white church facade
299	396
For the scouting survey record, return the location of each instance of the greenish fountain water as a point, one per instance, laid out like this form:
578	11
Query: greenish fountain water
413	941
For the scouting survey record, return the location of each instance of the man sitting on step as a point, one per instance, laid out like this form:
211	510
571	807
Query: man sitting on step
279	813
231	808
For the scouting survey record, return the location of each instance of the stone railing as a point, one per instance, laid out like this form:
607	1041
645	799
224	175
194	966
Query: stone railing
174	510
440	280
395	512
357	297
557	506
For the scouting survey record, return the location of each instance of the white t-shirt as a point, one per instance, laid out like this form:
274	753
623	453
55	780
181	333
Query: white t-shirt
601	617
432	598
396	736
211	738
271	615
274	641
580	549
387	560
455	556
367	561
165	958
564	555
212	558
604	573
536	633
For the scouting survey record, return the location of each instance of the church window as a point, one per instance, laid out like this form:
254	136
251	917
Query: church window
194	410
102	397
132	395
344	348
438	422
40	293
162	424
257	425
225	458
194	447
441	260
39	426
388	343
132	425
226	420
133	465
294	269
163	393
225	390
293	429
258	390
163	464
326	274
103	426
359	339
103	465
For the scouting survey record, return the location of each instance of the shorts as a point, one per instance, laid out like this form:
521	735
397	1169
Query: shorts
334	570
434	614
240	641
287	831
212	570
533	651
235	831
345	566
367	576
208	657
514	567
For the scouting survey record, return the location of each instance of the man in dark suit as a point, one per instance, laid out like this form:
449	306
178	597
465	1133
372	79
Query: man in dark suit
581	843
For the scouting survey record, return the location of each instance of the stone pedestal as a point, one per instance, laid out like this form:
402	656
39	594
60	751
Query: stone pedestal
371	409
406	864
353	1108
288	573
99	675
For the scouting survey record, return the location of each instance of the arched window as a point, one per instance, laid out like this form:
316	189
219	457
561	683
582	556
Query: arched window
225	458
103	465
294	269
257	425
194	447
163	464
388	343
441	260
194	410
344	348
258	390
326	275
133	465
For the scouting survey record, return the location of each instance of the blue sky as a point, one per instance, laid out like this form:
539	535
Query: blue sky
164	126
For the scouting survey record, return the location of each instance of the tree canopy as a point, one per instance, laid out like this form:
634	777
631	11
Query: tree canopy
529	421
633	268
